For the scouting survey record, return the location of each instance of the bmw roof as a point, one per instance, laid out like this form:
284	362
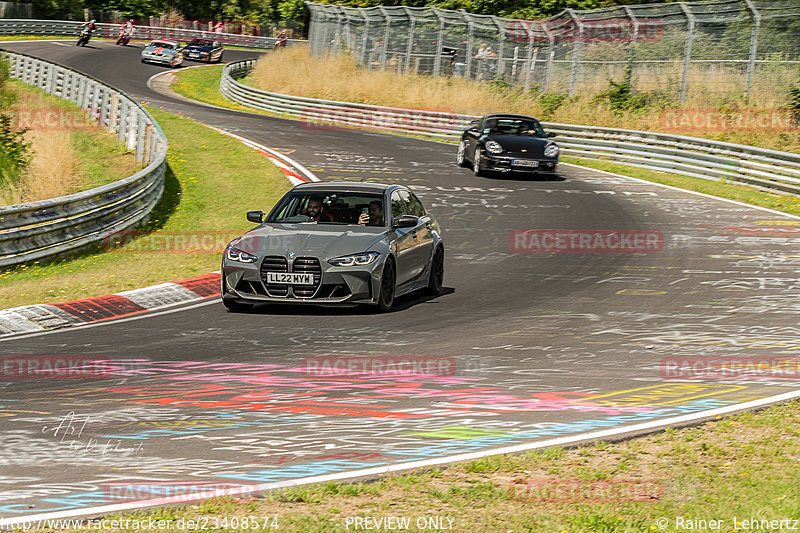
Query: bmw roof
361	186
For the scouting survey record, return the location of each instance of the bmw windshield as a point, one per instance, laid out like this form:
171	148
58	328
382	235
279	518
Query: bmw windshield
328	207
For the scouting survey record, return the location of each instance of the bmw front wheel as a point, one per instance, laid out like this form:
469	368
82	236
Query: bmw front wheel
436	280
388	280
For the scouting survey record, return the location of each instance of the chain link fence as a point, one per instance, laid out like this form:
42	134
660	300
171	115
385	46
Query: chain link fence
681	49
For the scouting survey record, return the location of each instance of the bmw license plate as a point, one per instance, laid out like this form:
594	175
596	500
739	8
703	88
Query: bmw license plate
288	278
524	163
194	54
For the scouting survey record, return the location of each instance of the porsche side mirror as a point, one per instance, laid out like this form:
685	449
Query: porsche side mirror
551	134
405	221
255	216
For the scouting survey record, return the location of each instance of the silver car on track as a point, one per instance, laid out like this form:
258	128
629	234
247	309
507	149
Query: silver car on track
164	52
335	243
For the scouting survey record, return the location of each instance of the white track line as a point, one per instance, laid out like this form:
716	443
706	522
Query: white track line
737	202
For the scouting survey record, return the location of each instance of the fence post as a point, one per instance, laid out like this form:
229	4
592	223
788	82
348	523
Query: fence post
500	70
551	52
437	58
751	63
388	20
687	53
148	143
132	127
410	46
632	46
576	53
470	31
531	62
113	113
364	42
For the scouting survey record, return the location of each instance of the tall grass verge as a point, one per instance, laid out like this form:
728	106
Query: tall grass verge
61	159
294	71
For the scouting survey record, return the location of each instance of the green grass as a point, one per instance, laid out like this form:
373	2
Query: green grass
202	84
211	182
34	37
739	467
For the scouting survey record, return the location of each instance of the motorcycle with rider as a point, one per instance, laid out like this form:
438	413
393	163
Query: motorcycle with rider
86	33
125	33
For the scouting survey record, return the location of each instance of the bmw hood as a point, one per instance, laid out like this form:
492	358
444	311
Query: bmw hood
318	240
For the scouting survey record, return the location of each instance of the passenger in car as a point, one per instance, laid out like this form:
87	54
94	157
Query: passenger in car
374	217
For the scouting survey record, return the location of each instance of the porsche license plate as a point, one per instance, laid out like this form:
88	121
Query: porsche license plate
524	163
288	278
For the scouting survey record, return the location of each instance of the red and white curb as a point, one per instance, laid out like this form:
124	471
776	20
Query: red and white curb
40	317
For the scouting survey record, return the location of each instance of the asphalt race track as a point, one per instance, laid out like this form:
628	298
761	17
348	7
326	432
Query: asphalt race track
522	349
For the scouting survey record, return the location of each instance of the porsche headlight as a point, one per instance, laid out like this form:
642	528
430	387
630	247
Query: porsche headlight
494	147
235	254
355	259
551	150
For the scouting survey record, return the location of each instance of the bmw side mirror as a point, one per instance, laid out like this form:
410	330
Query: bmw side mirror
474	129
405	221
551	134
255	216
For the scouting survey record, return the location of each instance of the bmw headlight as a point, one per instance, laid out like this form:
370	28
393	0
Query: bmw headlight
551	150
494	147
235	254
355	259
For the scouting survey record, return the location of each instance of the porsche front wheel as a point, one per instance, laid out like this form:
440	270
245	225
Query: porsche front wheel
476	162
461	159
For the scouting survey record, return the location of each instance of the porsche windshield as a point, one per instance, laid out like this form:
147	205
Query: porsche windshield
329	207
515	126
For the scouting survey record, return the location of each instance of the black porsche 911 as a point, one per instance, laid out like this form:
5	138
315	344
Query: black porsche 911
504	142
203	50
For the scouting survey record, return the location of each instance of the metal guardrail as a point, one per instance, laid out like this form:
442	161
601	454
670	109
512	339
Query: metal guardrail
36	230
708	159
110	31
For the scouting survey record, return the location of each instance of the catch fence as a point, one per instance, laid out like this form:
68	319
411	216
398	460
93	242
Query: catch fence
680	49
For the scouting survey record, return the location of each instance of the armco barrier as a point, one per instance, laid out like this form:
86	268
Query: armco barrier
36	230
677	154
110	31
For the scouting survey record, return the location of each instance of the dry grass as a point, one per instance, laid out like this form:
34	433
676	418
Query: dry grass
64	160
53	168
293	71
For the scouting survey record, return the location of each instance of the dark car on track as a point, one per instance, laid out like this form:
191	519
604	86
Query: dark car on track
203	50
507	143
352	250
